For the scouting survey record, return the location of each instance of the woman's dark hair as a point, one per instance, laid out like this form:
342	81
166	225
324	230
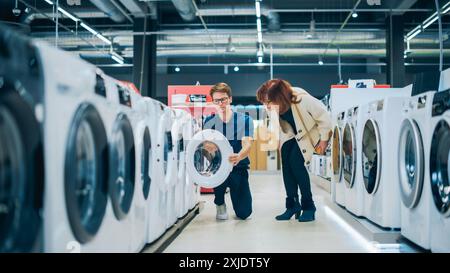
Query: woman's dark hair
277	91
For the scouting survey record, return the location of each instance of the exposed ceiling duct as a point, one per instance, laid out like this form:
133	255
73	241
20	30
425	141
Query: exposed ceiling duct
109	9
135	8
186	9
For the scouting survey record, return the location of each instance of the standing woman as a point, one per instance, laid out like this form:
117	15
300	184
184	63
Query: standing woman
305	129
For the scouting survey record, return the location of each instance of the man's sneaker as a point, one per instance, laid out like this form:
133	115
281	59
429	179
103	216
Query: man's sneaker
222	212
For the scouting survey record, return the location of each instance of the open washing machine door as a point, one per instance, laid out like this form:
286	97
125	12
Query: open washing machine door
207	158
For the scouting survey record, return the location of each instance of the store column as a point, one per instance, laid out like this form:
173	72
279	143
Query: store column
395	70
144	57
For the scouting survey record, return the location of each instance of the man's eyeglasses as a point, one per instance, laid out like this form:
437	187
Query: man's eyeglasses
219	101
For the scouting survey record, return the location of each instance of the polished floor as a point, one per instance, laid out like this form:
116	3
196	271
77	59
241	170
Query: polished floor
262	233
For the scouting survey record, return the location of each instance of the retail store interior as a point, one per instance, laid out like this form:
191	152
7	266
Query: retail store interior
111	136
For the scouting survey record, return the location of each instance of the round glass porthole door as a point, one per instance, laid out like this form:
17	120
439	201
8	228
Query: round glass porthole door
86	173
440	167
122	178
21	174
349	155
207	158
145	162
371	156
336	155
410	163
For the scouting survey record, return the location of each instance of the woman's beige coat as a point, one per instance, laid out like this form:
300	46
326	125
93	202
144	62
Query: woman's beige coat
317	124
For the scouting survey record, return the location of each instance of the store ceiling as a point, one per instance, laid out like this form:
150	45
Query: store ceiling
231	27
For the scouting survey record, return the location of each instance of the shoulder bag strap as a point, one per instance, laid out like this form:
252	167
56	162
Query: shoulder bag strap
303	124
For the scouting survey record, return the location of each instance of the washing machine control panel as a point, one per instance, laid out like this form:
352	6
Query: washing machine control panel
441	102
421	102
100	88
124	96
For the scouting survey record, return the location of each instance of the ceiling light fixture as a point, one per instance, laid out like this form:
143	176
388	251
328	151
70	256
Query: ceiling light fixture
177	69
355	15
429	21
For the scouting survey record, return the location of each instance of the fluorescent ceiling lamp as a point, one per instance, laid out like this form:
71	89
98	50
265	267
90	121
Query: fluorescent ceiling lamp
413	33
104	39
49	2
88	28
259	37
116	57
431	21
258	24
260	59
258	9
68	14
446	8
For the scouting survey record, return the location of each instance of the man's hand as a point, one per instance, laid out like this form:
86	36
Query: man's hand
321	147
234	159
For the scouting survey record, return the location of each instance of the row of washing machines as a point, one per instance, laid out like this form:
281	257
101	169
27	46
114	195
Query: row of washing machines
390	162
86	163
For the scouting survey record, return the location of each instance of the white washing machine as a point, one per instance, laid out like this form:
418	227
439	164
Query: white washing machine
170	166
337	179
381	130
76	155
413	175
192	190
353	181
156	221
439	168
153	189
142	139
164	170
180	122
21	144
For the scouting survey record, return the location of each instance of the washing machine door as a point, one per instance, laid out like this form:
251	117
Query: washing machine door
336	154
349	155
207	158
86	173
411	163
371	156
440	167
122	166
21	173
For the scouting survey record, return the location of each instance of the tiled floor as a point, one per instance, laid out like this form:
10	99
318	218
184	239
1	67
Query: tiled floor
262	233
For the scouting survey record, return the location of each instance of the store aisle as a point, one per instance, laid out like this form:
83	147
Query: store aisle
262	233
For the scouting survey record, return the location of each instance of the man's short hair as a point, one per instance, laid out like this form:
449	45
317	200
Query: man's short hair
220	87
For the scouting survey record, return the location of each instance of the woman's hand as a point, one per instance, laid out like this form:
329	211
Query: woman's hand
234	159
321	147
